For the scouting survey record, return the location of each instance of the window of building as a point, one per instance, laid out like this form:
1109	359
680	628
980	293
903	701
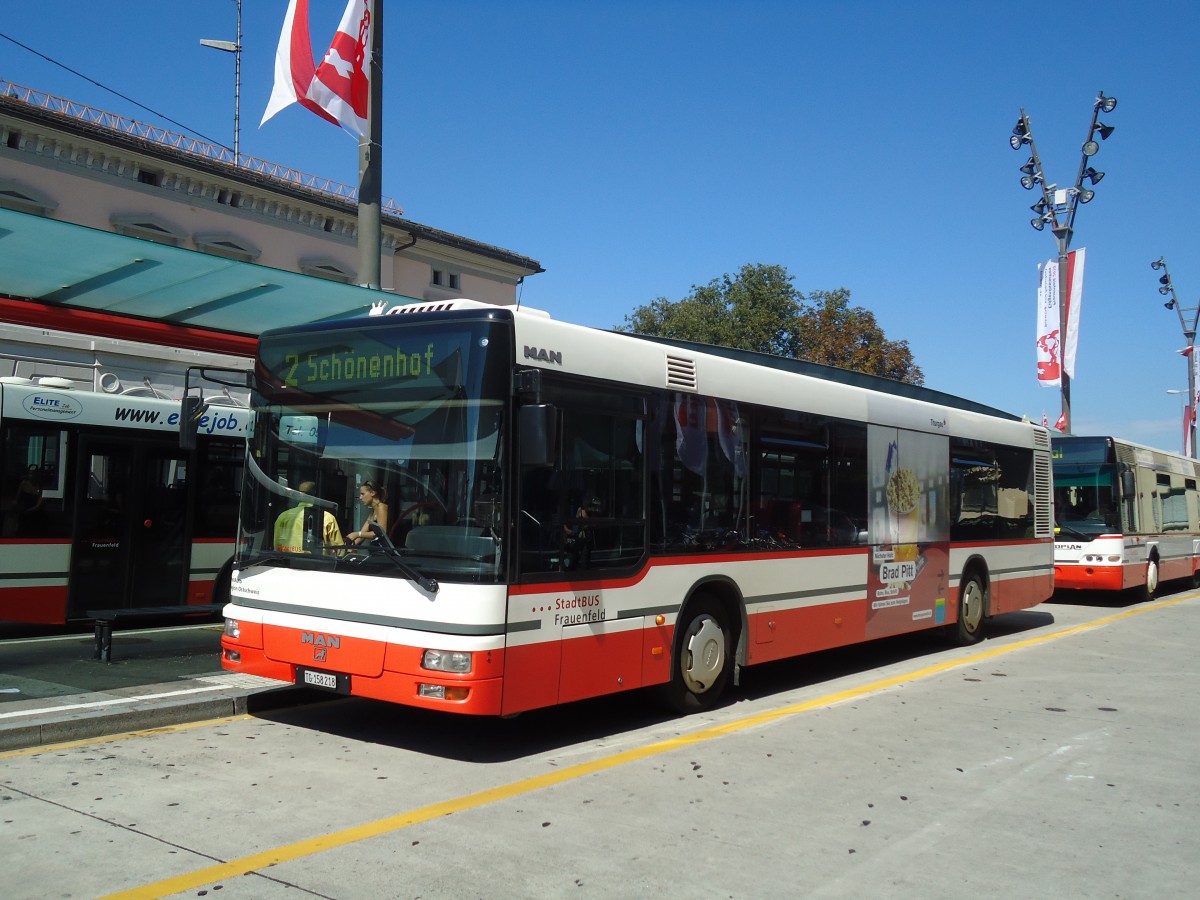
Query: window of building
148	228
226	246
16	196
329	269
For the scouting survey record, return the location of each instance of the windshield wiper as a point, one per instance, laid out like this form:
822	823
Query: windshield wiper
1075	531
385	546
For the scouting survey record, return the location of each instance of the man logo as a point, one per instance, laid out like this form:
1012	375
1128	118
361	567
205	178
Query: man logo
320	654
546	356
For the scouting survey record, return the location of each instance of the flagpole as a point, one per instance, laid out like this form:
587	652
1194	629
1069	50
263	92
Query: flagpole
370	164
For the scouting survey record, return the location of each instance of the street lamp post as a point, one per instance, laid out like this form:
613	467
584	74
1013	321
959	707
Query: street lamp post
1167	289
234	47
1057	209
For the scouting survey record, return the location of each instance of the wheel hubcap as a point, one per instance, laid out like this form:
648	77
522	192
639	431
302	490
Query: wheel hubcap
705	657
972	606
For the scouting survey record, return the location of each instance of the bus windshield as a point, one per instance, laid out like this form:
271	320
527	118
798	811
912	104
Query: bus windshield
1085	500
378	446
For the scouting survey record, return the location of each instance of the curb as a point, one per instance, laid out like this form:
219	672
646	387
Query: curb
146	711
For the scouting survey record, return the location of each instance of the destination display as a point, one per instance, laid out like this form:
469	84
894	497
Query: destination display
374	357
356	362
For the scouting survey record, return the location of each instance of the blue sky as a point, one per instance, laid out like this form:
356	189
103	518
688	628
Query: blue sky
638	148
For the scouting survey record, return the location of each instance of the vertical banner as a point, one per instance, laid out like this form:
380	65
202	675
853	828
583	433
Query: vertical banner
1075	261
1054	352
1049	360
1191	412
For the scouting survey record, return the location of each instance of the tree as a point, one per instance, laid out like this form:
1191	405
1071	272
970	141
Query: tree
759	309
832	332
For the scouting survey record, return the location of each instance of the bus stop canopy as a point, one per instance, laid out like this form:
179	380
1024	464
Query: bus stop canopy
72	266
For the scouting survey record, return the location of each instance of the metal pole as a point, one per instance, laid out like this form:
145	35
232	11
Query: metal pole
1062	234
370	164
1189	335
237	89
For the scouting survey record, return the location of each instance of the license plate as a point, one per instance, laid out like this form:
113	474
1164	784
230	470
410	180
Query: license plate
329	681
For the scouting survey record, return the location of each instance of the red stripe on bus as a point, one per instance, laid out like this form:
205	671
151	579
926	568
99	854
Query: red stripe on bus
83	321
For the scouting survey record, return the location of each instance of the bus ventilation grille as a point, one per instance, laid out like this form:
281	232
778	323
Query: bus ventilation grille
681	373
1041	439
444	306
1043	493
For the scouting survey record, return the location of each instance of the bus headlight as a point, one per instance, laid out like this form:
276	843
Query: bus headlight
446	661
232	629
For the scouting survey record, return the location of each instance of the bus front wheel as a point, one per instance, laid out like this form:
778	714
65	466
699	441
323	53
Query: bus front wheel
1150	588
703	656
972	607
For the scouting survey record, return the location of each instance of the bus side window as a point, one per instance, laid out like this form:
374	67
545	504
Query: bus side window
31	502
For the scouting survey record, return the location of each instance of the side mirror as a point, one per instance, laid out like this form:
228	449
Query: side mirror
1129	484
191	410
538	433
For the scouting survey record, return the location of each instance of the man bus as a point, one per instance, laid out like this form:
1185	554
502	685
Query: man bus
576	512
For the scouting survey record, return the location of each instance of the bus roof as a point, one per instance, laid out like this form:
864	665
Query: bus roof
833	373
621	356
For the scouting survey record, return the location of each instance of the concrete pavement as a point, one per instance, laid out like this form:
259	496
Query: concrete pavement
53	690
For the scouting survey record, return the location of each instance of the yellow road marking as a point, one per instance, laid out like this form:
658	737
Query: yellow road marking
247	864
123	736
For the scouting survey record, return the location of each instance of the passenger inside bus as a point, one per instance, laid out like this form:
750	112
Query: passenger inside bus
374	497
296	528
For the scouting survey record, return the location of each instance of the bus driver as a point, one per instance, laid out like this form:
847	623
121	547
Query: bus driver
290	530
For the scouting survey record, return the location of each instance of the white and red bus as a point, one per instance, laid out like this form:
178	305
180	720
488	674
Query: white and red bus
99	506
102	510
1126	517
573	512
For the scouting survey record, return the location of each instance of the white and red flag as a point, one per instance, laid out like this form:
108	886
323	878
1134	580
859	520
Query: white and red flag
1054	353
338	89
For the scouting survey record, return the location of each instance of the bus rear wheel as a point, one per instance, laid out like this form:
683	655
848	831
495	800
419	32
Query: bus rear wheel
972	608
702	658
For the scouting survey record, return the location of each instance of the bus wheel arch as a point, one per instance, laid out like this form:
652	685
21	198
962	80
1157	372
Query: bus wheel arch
223	583
974	600
706	645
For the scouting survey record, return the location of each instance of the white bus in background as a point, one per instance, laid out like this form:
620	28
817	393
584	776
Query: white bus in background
99	506
1127	517
573	512
102	510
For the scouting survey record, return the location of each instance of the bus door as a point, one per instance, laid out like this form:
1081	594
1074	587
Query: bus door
129	548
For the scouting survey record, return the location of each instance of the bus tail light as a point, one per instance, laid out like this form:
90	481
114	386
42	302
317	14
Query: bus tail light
447	661
443	692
